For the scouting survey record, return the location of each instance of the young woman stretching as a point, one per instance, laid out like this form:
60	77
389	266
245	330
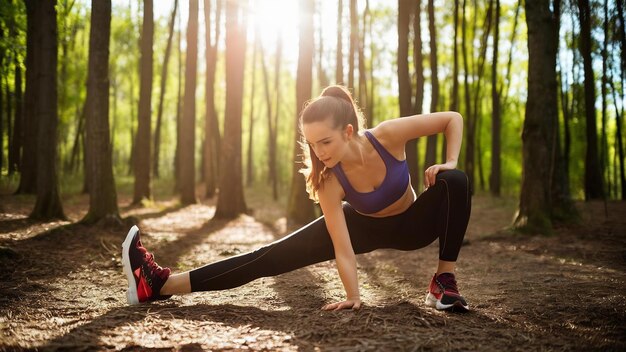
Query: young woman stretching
367	169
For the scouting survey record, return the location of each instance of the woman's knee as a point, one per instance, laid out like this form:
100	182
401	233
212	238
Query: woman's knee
456	179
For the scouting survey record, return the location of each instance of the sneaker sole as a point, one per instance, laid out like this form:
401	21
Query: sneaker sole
131	292
432	301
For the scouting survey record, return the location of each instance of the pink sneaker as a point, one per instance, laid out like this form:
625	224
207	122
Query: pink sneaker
443	294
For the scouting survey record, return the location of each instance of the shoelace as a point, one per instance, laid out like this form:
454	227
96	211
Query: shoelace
447	282
154	267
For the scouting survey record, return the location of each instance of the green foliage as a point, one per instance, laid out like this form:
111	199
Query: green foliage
380	51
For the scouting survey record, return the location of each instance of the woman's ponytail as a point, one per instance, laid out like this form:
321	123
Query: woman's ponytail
335	103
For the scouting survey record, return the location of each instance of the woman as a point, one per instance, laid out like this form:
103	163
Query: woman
369	171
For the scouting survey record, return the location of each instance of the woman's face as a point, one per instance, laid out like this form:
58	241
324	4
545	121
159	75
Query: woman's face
328	144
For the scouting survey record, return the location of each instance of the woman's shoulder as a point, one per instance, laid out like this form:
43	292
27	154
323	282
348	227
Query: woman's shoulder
331	190
386	133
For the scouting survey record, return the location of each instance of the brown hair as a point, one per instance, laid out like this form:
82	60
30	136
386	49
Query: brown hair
334	103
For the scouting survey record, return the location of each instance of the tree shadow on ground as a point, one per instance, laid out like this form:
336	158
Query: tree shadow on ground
305	327
152	215
58	251
13	225
402	325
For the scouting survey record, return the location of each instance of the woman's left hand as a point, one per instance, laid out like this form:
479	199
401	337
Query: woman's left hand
430	175
353	304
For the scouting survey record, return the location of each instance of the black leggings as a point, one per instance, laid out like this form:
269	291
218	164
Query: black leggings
441	212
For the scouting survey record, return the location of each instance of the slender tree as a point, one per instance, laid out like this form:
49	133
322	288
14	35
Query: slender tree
404	80
619	141
604	143
593	173
300	209
494	177
454	97
142	156
250	162
166	60
562	206
469	120
2	104
412	146
102	194
621	34
273	121
541	110
354	35
322	77
431	146
188	134
212	136
231	200
339	63
363	99
15	146
179	106
48	203
28	174
474	133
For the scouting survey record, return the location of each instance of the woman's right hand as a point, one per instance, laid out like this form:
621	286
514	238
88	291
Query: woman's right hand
354	304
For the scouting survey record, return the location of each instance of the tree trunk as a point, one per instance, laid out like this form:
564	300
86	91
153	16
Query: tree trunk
17	132
454	99
177	151
231	200
354	32
103	197
404	82
2	108
412	147
431	145
372	101
28	174
300	209
362	71
250	161
142	144
504	89
188	133
593	173
322	77
273	174
562	206
212	131
469	120
476	114
494	177
269	106
604	144
622	35
48	203
619	141
166	60
339	63
541	110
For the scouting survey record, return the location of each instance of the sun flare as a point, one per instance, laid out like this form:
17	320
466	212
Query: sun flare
273	18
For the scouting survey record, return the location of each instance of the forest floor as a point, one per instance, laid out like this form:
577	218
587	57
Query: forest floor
62	286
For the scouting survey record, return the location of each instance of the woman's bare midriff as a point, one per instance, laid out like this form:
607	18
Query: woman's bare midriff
397	207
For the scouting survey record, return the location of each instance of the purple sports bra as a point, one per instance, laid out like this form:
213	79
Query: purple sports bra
393	186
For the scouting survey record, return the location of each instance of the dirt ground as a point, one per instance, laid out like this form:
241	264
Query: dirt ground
62	287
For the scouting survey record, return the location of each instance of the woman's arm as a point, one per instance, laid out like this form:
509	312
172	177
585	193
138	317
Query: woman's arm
406	128
330	200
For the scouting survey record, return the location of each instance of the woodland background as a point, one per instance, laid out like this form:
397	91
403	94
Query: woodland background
107	97
180	117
